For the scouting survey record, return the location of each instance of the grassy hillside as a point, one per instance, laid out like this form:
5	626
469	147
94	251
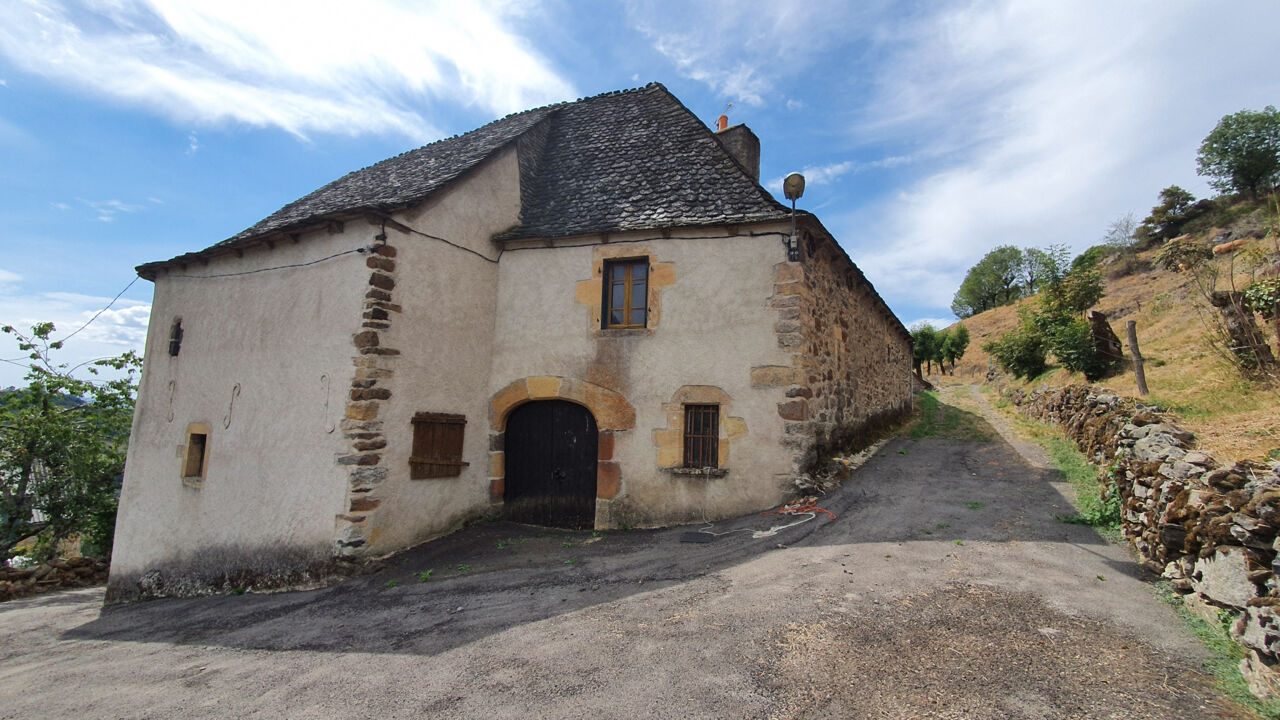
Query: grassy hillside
1234	419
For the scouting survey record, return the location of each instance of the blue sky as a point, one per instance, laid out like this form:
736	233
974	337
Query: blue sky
135	130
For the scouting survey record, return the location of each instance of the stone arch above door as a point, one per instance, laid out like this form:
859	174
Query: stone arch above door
610	409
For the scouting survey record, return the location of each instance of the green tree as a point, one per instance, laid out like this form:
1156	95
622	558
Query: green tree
955	344
992	282
1078	291
1041	267
1242	153
62	447
924	345
1166	219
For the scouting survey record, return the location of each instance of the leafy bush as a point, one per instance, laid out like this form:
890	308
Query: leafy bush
1263	297
1022	352
1090	258
1071	342
1080	290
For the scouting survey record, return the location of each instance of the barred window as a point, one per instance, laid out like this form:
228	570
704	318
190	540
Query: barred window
437	446
626	293
701	436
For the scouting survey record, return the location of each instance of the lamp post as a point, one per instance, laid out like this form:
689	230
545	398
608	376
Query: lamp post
793	188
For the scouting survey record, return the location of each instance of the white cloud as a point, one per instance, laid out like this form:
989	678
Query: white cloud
938	323
793	104
107	210
827	174
120	328
8	279
1043	123
193	143
59	206
745	49
319	66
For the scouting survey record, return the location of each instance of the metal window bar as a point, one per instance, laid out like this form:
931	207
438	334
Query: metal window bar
701	436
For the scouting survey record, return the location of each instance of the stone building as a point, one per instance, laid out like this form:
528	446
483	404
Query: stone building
581	315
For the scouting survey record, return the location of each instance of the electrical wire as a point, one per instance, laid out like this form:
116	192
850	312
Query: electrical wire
108	307
277	267
480	255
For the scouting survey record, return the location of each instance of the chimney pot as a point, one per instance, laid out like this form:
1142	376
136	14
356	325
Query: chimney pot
722	123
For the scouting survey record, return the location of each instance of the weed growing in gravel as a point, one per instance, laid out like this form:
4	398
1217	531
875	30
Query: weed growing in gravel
1224	656
503	543
392	583
1095	507
464	569
570	561
975	505
425	575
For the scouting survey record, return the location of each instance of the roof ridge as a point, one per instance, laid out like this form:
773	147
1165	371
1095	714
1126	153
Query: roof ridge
548	107
763	191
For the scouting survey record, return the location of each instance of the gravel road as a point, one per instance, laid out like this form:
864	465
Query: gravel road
943	588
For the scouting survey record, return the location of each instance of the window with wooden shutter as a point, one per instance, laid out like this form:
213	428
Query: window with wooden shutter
701	436
437	446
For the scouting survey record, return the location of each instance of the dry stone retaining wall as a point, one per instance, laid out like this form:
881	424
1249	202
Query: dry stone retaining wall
1210	529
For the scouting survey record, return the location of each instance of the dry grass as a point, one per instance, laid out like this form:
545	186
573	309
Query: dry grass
1234	419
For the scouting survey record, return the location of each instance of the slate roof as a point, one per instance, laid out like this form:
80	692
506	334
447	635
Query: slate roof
628	160
631	161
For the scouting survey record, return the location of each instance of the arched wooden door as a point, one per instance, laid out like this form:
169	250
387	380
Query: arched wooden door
550	458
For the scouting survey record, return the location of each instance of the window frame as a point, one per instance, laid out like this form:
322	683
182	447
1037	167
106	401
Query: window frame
701	449
196	453
175	337
629	283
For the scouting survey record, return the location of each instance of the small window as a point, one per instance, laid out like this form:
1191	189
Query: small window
701	436
175	338
195	459
437	446
626	293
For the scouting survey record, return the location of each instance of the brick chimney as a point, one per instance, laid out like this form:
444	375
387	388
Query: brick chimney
742	144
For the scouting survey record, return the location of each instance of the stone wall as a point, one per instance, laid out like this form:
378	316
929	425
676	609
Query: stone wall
1210	529
852	355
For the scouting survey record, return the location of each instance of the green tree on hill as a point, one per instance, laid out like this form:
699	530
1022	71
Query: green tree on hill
1242	153
1166	219
992	282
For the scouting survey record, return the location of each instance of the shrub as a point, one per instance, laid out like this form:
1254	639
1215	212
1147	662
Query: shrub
1071	342
1022	352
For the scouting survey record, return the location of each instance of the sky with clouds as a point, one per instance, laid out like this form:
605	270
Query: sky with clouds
136	130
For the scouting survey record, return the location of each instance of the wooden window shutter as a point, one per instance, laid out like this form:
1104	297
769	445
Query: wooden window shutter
437	445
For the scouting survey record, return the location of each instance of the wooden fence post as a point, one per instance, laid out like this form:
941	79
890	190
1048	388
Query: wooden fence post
1131	328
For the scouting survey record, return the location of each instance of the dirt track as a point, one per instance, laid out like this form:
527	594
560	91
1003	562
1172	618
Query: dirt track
944	588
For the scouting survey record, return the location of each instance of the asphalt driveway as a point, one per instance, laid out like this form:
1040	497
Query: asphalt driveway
942	588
